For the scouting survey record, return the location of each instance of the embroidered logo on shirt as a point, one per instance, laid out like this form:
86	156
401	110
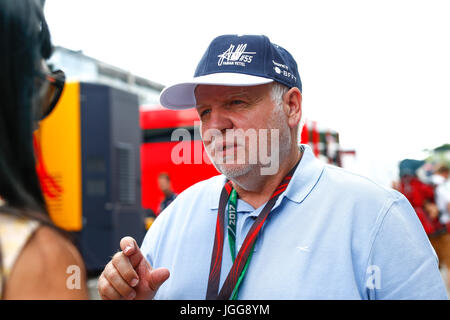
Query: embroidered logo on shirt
303	248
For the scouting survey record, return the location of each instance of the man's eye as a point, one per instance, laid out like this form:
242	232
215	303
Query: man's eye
235	102
205	112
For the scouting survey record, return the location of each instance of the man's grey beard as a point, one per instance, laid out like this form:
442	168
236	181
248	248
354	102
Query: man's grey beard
279	122
234	171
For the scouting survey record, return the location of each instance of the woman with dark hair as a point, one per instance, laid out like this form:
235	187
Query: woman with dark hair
37	259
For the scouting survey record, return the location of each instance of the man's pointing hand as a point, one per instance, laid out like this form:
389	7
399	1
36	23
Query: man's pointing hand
129	275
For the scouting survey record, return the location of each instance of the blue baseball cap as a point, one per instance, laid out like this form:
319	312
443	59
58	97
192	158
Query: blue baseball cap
235	60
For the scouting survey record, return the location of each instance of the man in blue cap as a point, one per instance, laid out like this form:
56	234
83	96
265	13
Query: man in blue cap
280	227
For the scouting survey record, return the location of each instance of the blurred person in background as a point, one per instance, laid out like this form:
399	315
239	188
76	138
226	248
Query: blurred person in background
442	197
423	198
420	195
37	259
166	188
440	179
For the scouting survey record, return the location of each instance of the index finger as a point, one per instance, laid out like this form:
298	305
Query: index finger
130	249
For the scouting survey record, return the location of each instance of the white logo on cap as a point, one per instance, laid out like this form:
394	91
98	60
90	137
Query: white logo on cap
280	65
235	57
283	70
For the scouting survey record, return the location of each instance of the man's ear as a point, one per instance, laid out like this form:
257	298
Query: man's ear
293	99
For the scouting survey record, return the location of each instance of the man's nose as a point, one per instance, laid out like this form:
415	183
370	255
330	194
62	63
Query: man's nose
220	120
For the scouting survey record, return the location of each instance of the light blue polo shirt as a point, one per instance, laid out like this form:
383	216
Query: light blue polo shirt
331	235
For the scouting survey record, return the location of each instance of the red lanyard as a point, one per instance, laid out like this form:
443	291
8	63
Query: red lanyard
246	248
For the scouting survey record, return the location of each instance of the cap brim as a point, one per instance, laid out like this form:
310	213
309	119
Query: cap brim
181	96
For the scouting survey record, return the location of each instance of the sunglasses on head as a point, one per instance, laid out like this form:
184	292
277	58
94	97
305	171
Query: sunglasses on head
55	81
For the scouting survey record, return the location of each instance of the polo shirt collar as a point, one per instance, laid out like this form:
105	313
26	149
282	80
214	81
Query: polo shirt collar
302	183
305	176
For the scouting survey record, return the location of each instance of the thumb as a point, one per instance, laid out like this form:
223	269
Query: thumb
157	277
152	279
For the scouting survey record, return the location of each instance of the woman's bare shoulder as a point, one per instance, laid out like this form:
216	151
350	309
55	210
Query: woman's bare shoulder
49	267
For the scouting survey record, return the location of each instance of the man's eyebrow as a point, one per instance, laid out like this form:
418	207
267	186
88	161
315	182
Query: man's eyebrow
238	95
243	93
252	98
228	97
199	106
